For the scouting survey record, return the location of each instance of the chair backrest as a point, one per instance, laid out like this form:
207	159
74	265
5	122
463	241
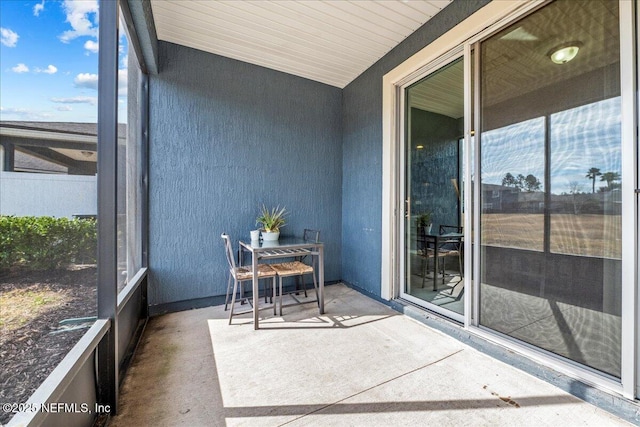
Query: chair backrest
228	250
451	245
450	229
311	235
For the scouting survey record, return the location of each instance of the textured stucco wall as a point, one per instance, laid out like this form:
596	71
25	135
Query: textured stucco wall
362	151
225	137
434	166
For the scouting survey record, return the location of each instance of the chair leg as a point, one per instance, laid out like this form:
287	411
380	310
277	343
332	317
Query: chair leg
423	267
233	298
226	297
280	295
315	287
304	286
273	295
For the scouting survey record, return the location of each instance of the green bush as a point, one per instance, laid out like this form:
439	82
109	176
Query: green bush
43	243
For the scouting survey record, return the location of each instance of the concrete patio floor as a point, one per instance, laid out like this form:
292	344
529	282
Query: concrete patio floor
360	364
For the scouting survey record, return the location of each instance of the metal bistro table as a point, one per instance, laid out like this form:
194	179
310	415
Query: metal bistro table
285	247
438	240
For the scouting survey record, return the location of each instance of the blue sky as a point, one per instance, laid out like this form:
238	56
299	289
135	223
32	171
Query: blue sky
49	61
581	138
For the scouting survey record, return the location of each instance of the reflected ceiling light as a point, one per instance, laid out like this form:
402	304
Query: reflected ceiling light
419	147
565	52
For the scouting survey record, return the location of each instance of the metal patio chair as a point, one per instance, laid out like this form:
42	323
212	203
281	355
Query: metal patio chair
241	274
299	268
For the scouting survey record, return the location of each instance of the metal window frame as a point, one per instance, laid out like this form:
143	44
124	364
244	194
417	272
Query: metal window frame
630	366
107	369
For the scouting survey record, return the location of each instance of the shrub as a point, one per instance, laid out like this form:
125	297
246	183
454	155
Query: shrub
43	243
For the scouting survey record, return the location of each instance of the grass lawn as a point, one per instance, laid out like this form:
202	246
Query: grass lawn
588	235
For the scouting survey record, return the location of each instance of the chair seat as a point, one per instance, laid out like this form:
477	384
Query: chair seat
245	273
293	268
448	252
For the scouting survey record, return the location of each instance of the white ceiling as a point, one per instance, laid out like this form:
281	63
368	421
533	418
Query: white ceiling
441	92
330	41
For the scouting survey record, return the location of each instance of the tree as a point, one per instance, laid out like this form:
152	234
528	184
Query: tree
592	174
609	178
509	180
531	183
575	189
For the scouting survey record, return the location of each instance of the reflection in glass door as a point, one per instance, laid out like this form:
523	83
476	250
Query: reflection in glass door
433	229
551	174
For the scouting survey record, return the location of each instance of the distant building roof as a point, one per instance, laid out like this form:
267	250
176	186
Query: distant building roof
62	127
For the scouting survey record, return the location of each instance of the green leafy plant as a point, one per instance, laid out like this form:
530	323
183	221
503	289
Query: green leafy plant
424	219
272	220
43	243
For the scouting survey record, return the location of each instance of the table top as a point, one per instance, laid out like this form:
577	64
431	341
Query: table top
446	235
284	243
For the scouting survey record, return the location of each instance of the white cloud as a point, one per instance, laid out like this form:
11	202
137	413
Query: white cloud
90	81
51	69
64	108
91	46
79	17
123	81
39	7
124	60
7	113
8	38
76	100
20	68
87	80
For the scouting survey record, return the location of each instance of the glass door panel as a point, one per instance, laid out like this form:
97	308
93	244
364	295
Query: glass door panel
550	166
433	244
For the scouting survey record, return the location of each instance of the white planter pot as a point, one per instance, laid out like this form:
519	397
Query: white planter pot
270	236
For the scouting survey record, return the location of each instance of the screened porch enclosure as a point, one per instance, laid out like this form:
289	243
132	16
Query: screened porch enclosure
532	165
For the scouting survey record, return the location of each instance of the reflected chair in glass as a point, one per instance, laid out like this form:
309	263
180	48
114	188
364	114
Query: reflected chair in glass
426	250
298	268
450	247
242	274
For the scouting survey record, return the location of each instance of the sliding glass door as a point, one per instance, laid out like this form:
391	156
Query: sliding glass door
550	175
545	153
433	229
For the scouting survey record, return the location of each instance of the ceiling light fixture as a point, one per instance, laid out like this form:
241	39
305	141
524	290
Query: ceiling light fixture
565	52
419	147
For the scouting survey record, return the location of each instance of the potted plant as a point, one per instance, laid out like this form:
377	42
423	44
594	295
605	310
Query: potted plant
271	221
424	223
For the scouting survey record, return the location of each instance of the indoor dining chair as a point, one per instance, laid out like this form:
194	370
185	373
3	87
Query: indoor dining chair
241	274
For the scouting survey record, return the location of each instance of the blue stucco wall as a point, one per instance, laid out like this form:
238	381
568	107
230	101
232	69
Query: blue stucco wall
362	151
434	166
227	136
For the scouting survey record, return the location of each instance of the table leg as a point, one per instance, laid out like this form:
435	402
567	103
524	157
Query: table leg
254	268
435	264
321	279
